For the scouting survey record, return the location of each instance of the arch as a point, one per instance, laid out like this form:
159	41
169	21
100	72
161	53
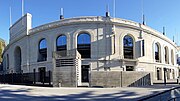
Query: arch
172	56
42	50
84	45
157	52
17	60
7	61
61	43
166	55
128	47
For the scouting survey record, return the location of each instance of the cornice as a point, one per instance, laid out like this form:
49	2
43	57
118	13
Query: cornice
101	19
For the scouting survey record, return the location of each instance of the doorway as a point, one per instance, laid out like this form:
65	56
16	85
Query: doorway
85	73
158	74
42	74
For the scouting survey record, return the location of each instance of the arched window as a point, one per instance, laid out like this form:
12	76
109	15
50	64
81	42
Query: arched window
157	52
17	59
172	57
84	45
42	50
166	55
61	43
7	61
128	47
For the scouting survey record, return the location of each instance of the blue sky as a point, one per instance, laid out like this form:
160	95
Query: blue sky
158	13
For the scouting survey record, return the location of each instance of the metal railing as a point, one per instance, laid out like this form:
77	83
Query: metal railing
163	96
175	99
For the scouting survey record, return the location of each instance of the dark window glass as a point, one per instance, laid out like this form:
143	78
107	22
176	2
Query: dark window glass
61	43
157	54
128	47
84	45
42	50
178	60
143	50
42	44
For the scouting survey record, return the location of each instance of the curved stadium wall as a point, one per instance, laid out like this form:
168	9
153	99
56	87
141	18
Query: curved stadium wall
104	44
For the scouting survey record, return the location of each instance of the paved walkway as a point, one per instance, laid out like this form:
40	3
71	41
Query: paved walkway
30	93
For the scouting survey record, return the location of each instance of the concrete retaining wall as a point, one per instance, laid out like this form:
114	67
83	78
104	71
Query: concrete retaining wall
64	77
119	78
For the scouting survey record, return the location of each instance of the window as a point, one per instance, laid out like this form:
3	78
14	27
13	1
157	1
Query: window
142	53
7	61
84	45
42	50
178	60
166	55
157	52
61	43
128	47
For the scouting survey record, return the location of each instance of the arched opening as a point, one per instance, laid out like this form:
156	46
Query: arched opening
42	56
172	57
128	47
7	61
84	45
61	43
17	59
157	52
166	55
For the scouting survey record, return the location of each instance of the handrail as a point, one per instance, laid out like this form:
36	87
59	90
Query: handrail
149	97
174	99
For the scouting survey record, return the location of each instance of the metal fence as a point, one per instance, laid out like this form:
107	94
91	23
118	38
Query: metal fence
35	78
168	95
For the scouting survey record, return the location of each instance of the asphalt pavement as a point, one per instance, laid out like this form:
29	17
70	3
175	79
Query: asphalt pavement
31	93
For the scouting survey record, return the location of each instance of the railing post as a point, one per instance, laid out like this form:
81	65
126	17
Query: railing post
22	78
49	77
44	75
34	76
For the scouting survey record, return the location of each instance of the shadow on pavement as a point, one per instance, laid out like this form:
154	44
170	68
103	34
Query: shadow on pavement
21	94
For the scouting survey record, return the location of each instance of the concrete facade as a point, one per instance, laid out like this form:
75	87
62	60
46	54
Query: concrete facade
107	50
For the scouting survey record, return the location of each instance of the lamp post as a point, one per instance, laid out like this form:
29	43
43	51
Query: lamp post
165	69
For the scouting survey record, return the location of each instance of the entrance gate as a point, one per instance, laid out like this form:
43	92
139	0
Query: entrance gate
85	73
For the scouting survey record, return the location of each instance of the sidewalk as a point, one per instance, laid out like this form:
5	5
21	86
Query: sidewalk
30	93
171	81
